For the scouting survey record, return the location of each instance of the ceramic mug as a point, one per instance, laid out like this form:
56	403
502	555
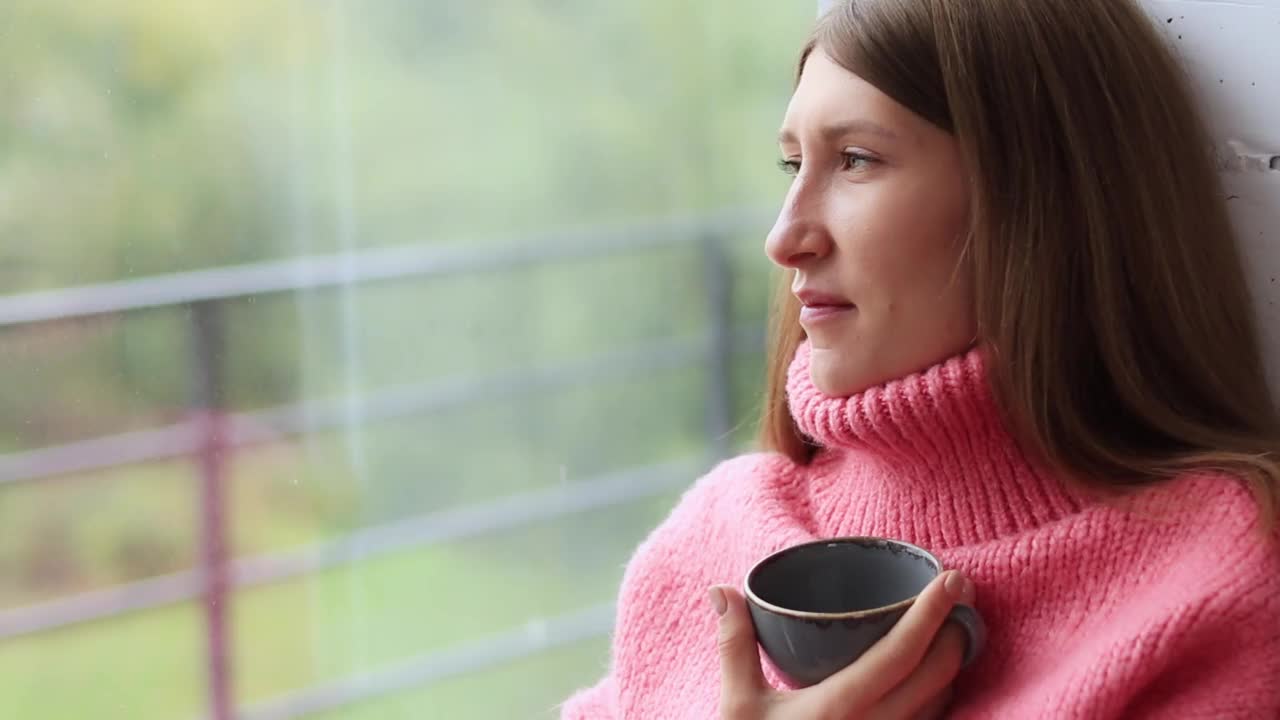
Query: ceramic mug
818	606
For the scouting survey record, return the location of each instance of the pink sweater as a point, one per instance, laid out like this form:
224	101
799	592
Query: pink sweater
1164	606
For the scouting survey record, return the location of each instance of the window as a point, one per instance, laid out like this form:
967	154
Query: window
351	347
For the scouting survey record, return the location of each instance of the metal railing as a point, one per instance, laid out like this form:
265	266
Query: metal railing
210	434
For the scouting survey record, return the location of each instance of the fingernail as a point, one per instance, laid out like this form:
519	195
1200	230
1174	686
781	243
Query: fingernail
718	601
959	587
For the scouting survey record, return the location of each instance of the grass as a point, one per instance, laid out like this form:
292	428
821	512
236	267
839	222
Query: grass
141	520
139	666
148	665
529	689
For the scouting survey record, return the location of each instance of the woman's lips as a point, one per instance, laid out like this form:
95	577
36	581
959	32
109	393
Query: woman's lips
820	306
810	314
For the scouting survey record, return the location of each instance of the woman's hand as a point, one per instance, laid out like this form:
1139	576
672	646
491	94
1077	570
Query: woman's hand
907	675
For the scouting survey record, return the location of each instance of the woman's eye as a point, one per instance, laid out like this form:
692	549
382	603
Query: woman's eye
790	167
857	161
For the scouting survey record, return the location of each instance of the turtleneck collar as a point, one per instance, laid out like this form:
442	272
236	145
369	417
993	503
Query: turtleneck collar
932	459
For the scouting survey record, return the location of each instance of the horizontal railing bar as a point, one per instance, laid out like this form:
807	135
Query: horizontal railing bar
146	594
666	354
324	271
415	533
99	453
257	427
531	639
470	521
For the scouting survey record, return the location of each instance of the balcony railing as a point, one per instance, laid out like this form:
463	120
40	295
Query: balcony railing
211	434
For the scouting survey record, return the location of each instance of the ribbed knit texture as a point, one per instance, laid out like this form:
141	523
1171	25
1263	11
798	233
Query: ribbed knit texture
1165	605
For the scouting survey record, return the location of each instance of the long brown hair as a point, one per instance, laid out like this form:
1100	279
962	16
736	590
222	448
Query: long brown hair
1108	283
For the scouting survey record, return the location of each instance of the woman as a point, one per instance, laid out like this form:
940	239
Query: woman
1016	332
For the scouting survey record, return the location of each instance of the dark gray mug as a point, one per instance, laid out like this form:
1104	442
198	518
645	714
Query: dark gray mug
818	606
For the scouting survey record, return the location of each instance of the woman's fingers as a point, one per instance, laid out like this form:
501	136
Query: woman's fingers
918	695
895	656
741	680
935	708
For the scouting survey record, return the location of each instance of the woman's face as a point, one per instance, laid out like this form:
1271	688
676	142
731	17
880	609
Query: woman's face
873	228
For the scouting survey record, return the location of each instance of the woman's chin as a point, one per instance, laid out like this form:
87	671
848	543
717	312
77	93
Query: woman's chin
835	379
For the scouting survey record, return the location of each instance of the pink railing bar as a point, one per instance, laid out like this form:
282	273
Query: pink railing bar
208	348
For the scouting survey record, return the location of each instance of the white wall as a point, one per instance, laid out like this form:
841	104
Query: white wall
1232	51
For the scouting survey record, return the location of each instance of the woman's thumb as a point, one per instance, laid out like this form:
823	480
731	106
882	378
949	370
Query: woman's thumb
740	674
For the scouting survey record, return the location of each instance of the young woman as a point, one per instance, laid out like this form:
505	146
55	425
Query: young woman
1014	331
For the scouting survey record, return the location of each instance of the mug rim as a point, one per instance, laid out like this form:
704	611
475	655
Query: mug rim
848	615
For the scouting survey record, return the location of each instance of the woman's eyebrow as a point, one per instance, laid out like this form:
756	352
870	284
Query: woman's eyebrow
838	130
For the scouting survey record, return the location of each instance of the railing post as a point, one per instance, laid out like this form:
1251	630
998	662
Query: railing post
718	276
207	342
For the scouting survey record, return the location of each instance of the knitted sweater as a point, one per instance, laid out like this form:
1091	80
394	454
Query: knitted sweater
1164	605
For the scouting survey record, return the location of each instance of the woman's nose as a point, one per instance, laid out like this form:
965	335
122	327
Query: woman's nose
796	238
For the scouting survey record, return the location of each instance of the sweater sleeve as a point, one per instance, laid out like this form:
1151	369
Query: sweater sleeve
599	702
662	596
1216	652
1224	664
